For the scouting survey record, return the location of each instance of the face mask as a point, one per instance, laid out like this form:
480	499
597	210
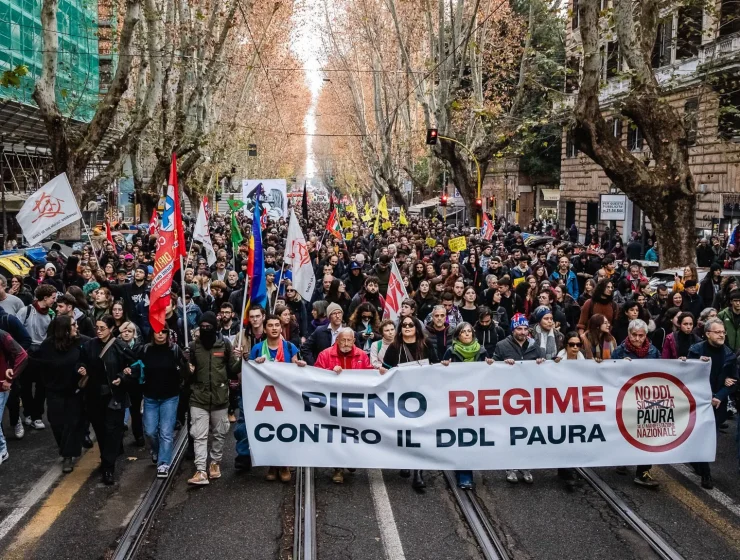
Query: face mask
208	338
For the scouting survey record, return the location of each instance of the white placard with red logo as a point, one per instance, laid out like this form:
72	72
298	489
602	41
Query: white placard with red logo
474	416
49	209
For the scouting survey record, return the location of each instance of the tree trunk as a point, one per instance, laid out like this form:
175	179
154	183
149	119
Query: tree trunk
672	218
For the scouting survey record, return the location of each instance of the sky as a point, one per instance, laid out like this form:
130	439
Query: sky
307	49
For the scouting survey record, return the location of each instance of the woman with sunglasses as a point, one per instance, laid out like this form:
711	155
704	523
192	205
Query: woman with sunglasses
465	348
410	347
572	349
298	307
105	361
366	325
162	368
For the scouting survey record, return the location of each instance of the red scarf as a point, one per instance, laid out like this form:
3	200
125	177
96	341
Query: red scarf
639	352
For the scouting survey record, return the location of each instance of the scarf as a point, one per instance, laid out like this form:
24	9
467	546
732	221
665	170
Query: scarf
40	310
683	342
547	342
469	352
606	349
639	352
279	357
316	324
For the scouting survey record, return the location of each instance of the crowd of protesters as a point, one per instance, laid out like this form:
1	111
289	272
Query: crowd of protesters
80	355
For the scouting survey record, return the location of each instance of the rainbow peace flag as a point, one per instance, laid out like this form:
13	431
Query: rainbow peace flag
256	261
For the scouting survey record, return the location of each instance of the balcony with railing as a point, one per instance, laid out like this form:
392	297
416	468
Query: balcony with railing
720	50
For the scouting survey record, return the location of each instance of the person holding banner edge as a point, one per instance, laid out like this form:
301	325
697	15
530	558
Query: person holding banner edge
275	349
638	347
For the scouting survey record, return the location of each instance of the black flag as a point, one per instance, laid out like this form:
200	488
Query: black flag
305	202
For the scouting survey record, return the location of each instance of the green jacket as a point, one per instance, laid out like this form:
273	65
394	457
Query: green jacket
209	383
732	326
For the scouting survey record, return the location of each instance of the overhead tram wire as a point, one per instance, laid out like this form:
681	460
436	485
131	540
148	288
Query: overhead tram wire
262	64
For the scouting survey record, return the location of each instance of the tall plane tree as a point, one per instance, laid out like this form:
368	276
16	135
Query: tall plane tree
664	187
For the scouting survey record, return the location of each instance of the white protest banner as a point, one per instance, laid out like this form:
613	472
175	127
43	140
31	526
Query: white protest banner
202	235
296	255
49	209
474	416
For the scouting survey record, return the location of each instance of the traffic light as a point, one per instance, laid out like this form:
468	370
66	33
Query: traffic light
431	136
443	199
492	202
218	197
132	197
479	205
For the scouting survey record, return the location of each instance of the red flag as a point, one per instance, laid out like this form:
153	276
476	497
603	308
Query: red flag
332	226
109	234
153	222
170	246
263	218
395	295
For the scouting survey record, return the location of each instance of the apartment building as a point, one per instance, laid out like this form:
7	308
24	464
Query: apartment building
697	61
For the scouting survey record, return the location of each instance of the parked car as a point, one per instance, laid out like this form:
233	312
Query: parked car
667	276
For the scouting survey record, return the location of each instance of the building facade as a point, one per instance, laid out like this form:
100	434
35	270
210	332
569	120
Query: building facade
697	61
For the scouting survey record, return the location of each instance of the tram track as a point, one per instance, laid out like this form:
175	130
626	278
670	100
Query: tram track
489	542
304	527
138	526
493	548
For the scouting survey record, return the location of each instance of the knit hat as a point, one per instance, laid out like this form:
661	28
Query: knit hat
519	320
690	284
90	287
150	269
50	265
270	271
332	308
540	312
210	318
355	266
142	267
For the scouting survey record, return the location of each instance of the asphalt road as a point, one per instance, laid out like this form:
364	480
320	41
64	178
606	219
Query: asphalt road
373	515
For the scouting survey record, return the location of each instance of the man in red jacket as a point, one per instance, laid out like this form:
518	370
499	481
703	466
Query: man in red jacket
343	354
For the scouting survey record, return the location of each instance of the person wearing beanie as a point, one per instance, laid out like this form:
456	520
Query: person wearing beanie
544	333
213	363
70	274
324	336
710	285
692	301
135	296
519	346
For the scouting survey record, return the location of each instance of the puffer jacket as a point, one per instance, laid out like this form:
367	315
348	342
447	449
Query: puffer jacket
330	358
509	349
209	383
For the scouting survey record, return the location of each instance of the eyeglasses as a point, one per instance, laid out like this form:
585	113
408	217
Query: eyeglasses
101	327
719	333
575	344
407	325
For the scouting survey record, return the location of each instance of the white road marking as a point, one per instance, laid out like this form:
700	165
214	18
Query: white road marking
718	495
30	499
384	513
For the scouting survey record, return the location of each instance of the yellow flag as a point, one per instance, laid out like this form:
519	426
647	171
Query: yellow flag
383	208
376	227
352	209
402	218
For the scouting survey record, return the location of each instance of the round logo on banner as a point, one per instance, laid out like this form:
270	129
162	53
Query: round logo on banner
655	412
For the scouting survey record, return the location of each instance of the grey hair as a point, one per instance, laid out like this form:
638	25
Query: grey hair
345	330
460	327
705	313
442	307
3	281
713	321
637	325
491	278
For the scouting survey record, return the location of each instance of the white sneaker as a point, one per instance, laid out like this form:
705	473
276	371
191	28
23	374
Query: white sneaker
4	457
27	420
20	431
38	425
511	477
527	476
163	471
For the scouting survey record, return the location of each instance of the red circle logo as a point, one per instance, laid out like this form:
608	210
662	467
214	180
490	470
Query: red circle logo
655	412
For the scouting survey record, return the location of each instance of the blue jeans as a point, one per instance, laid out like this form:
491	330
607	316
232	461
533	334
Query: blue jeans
240	433
159	424
3	399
